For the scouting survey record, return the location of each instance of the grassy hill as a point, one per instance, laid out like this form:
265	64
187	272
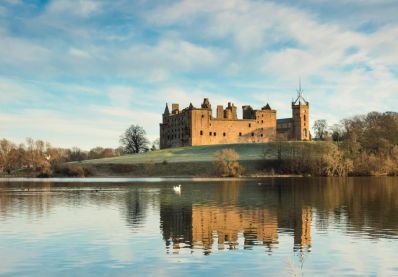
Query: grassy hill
197	161
246	152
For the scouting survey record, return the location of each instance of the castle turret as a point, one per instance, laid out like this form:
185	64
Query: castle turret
301	117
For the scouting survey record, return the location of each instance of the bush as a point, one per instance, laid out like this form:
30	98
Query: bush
89	171
70	170
226	162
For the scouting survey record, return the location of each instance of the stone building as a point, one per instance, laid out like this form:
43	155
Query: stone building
197	126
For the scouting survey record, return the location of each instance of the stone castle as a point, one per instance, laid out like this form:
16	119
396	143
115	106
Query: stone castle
196	126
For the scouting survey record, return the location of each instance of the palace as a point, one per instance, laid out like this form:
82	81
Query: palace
197	126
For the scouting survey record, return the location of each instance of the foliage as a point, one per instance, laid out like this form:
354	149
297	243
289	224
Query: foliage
227	163
70	170
320	129
134	140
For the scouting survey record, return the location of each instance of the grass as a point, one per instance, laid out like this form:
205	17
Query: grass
247	152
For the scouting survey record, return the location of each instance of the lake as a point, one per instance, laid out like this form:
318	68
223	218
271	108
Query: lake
143	227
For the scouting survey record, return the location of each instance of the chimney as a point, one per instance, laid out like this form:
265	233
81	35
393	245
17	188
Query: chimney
220	112
175	109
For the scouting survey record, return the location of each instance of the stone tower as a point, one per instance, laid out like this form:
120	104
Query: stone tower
301	117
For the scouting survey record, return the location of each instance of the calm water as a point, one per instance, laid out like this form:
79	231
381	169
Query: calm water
276	227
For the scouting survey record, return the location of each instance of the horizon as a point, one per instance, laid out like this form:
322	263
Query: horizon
80	73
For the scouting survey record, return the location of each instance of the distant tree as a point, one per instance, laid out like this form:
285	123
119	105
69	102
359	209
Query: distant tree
134	140
77	154
7	152
337	132
320	129
155	145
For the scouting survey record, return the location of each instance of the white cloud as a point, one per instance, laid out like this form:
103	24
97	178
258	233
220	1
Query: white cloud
78	53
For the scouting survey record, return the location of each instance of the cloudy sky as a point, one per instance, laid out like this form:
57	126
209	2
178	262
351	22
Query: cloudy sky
79	72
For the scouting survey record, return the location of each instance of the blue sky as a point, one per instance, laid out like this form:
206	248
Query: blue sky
78	73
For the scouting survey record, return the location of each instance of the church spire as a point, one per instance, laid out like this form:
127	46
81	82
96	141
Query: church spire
166	110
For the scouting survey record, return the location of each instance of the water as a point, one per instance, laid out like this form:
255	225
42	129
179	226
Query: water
274	227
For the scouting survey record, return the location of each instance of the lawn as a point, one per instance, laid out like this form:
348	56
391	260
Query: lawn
246	152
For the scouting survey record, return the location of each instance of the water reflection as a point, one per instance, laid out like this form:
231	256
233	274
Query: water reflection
217	216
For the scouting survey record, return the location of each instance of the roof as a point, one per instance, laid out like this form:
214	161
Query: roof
284	120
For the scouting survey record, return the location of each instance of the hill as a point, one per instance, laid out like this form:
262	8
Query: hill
246	152
197	161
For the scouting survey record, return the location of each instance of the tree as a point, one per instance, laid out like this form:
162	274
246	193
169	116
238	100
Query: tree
134	140
155	144
337	132
227	163
320	129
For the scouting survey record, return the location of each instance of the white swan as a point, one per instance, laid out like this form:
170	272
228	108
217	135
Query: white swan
177	189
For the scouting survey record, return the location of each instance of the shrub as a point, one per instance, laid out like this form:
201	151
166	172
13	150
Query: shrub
226	163
89	171
70	170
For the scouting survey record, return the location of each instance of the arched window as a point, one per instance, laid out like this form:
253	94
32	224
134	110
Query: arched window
201	133
224	134
305	132
305	117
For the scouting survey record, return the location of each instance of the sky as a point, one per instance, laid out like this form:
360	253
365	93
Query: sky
79	72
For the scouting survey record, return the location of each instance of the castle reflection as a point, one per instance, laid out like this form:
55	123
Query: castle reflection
217	217
224	218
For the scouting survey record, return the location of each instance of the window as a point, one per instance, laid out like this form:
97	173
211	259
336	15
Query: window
203	116
210	133
201	133
305	117
305	132
262	121
240	134
261	135
215	134
224	134
252	134
250	125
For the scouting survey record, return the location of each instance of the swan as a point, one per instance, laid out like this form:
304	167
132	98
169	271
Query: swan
177	189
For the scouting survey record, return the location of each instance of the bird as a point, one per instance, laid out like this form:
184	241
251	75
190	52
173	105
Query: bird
177	189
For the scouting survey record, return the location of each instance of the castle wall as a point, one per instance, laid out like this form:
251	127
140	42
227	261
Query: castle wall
175	131
208	131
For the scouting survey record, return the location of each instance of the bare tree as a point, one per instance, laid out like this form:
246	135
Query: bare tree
134	140
320	129
155	145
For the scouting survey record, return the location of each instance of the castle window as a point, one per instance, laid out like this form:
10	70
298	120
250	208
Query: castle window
215	134
262	121
210	133
305	117
250	125
240	134
261	135
252	134
201	133
203	116
224	134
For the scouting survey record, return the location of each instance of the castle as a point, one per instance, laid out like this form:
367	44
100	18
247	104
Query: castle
196	126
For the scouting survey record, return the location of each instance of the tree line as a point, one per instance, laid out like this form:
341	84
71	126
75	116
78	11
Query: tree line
363	145
40	158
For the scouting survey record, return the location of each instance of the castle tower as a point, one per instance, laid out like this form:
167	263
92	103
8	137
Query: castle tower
301	117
